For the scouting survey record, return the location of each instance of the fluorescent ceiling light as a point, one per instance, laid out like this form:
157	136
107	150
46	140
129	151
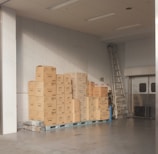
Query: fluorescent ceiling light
101	17
66	3
129	26
3	1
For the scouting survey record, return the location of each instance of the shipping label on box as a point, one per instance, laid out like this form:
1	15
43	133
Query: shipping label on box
60	109
60	119
60	79
60	99
60	89
69	118
46	73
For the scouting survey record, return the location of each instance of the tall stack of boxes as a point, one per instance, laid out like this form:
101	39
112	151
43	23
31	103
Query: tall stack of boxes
60	99
79	84
65	98
68	98
42	95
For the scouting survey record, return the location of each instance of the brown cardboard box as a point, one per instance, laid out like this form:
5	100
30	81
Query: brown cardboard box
76	117
68	98
45	89
60	119
60	109
32	114
60	89
100	91
46	100
68	107
40	115
76	105
46	73
50	121
90	86
68	89
84	114
60	79
60	99
67	78
79	76
69	118
32	88
43	107
32	102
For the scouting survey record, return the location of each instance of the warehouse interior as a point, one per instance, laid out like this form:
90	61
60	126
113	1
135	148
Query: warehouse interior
73	35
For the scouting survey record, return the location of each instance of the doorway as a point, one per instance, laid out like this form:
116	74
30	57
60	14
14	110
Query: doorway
143	96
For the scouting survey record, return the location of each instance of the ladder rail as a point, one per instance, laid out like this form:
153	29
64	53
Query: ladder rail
117	82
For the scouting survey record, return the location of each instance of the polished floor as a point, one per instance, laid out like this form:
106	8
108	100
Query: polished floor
120	137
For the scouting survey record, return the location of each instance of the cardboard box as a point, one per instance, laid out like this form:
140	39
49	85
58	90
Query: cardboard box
47	100
32	88
90	86
76	117
60	119
67	78
69	118
51	121
60	89
84	117
60	99
76	105
32	102
40	115
68	89
43	107
68	98
60	109
100	91
68	108
46	73
32	114
60	79
45	89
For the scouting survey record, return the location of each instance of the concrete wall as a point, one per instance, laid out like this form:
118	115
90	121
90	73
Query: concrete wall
8	71
67	50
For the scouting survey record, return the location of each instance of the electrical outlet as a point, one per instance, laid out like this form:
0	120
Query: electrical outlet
102	79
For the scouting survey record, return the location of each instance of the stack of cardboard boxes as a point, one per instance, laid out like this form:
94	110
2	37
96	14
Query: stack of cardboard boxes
98	102
42	95
79	84
62	98
50	98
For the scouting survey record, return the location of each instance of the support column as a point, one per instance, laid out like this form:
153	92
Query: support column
8	71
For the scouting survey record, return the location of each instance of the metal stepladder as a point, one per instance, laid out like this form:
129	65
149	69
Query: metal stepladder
120	106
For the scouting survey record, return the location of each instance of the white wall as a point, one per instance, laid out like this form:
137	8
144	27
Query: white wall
137	56
140	53
67	50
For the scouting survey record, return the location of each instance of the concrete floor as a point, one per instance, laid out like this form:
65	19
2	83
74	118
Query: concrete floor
121	137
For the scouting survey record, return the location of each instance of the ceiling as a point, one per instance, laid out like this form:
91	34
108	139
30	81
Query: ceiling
114	22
